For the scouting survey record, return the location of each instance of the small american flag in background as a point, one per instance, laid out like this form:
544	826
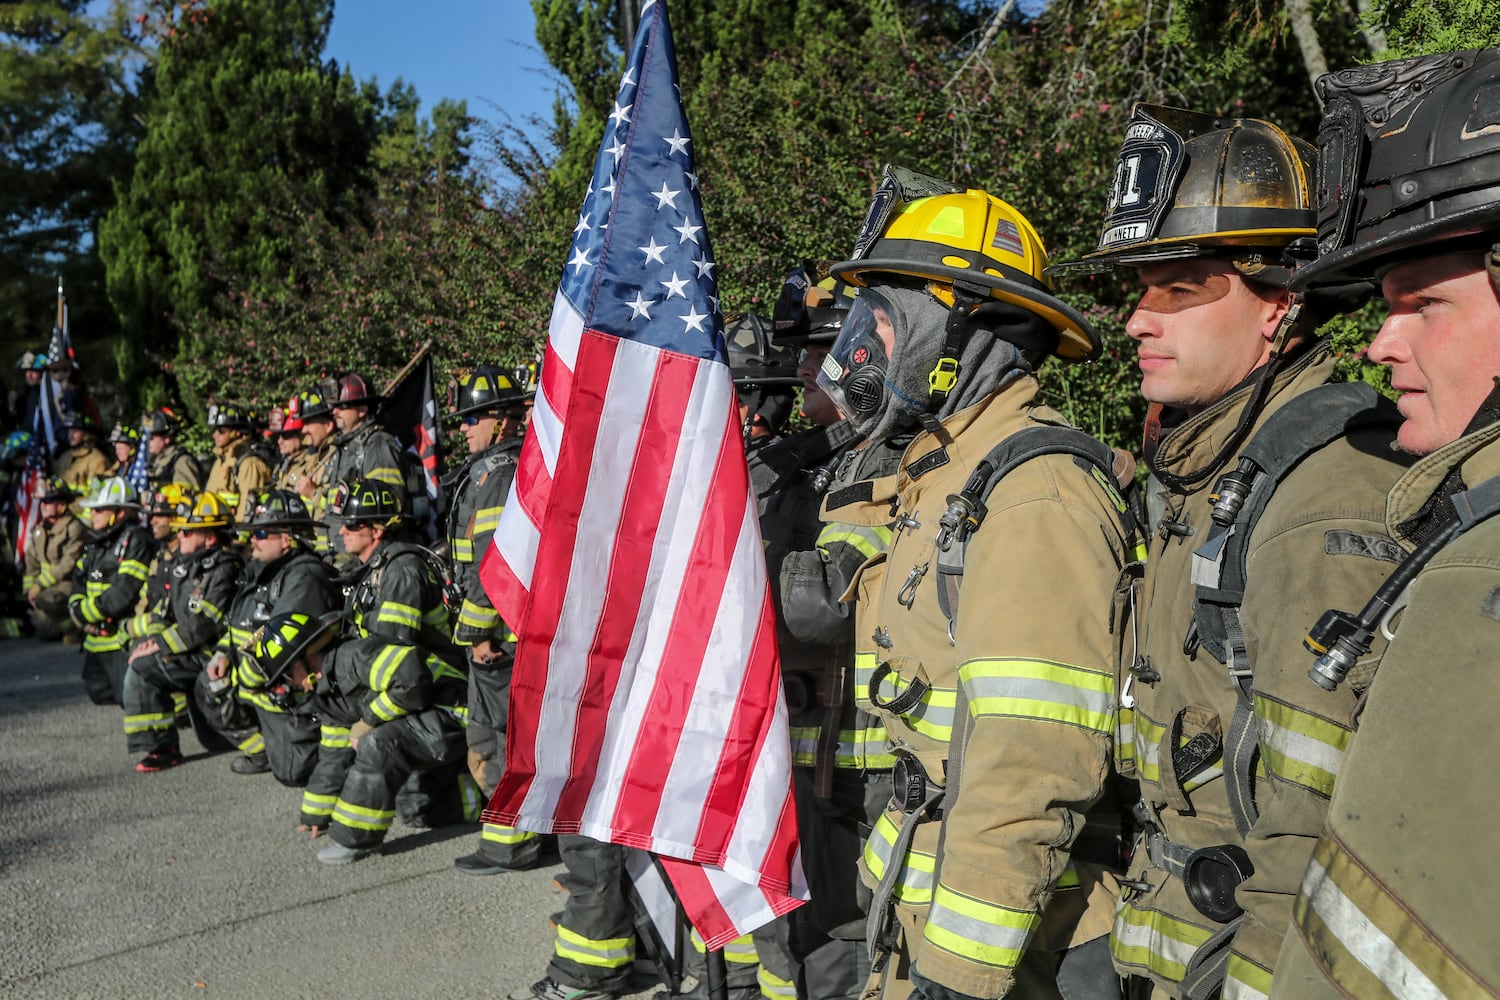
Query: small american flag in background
646	703
138	476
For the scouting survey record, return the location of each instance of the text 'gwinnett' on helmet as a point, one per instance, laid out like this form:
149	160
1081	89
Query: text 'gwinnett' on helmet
1189	184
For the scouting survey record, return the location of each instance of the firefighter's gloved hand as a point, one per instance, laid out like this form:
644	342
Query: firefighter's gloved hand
925	989
357	731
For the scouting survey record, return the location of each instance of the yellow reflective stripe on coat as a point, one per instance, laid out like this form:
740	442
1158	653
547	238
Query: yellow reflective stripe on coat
399	614
385	474
1152	940
864	669
487	519
363	818
1366	940
314	804
461	549
1244	980
1148	736
333	737
472	615
740	951
1125	740
135	568
857	749
609	953
867	541
773	987
148	722
384	708
932	715
1043	690
915	884
495	833
1300	747
172	639
976	930
385	666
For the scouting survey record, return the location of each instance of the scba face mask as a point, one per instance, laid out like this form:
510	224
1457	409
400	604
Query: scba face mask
855	374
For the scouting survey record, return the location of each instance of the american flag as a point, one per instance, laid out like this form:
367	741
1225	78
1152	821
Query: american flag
138	476
28	508
646	703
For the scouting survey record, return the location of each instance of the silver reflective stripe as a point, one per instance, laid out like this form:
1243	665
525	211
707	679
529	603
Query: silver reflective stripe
1300	747
1037	689
1367	943
1148	938
972	929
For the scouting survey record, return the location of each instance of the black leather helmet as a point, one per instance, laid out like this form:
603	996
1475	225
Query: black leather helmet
1408	154
488	388
754	360
367	501
811	307
279	509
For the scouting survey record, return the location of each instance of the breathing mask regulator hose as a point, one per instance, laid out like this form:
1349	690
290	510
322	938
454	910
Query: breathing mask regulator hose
1339	639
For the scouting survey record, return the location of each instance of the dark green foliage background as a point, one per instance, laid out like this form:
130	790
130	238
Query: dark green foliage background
236	215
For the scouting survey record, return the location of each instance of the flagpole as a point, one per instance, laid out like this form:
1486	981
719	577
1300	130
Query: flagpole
416	359
716	975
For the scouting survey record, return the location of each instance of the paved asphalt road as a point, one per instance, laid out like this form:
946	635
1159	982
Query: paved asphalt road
195	883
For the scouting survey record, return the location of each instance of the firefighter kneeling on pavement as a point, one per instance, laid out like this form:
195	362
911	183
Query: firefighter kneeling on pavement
386	711
994	853
181	635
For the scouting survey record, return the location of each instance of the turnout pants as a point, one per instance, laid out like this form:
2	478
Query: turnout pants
290	742
595	944
386	757
50	615
104	676
150	709
489	704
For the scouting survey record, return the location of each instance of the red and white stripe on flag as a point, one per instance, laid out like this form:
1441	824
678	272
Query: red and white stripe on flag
646	705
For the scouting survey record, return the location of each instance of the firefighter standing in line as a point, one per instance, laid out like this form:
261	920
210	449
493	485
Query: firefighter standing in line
317	487
237	474
298	462
123	441
841	765
1234	751
169	463
489	406
181	635
282	575
999	709
53	550
365	450
1401	898
106	585
83	464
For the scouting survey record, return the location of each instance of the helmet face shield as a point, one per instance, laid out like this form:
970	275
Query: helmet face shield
854	374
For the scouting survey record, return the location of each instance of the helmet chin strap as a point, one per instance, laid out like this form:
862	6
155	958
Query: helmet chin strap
1247	416
1492	265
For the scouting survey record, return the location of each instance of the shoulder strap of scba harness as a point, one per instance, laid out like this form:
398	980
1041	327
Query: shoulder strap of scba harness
967	510
1304	425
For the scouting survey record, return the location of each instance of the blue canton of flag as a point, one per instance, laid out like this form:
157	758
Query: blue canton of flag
138	476
661	289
